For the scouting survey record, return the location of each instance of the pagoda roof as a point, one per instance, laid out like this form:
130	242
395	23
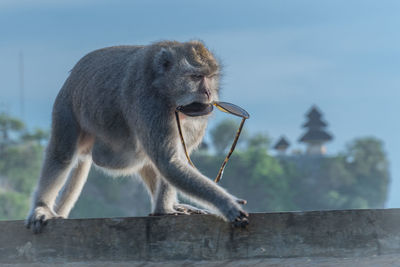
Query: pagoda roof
282	144
314	118
314	113
316	135
314	123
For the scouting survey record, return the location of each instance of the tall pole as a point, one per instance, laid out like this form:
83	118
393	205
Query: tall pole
21	85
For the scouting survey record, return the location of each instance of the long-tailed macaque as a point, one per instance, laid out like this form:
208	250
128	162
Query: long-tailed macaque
117	110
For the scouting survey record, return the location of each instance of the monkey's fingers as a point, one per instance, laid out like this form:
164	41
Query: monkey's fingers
39	219
38	224
242	220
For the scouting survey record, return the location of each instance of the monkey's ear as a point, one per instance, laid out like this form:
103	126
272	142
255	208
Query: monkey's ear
163	60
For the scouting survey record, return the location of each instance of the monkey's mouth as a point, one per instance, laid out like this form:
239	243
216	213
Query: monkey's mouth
196	109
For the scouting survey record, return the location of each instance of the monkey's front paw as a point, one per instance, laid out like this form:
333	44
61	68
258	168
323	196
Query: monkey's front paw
242	220
188	209
238	217
38	219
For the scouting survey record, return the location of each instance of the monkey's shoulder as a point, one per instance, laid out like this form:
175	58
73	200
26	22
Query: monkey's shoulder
107	56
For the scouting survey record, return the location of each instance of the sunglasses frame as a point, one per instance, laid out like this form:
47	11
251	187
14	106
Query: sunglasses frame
220	105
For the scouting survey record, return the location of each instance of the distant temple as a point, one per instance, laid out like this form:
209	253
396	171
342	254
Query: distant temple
316	136
282	145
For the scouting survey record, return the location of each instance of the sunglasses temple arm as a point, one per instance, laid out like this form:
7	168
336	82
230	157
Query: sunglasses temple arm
181	137
221	170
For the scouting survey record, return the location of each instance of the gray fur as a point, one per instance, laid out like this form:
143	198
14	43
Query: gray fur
117	109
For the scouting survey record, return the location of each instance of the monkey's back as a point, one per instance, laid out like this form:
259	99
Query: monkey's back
94	86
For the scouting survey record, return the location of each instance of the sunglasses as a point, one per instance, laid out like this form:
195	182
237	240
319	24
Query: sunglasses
199	109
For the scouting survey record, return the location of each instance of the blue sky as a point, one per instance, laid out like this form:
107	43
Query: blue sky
280	58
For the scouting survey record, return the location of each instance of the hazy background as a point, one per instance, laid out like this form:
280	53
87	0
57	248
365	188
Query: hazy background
280	58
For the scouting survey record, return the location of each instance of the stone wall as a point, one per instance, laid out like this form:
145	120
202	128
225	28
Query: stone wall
270	237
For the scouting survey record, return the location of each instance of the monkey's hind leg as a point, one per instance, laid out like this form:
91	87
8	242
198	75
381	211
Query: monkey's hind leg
163	196
73	187
59	160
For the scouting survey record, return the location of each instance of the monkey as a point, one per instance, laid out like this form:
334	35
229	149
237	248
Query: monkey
116	110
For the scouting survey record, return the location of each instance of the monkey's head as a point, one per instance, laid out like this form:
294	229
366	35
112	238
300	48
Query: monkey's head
186	73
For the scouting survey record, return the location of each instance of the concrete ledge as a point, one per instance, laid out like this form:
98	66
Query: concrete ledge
270	236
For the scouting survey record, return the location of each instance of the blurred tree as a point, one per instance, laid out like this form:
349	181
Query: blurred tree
38	135
317	182
8	125
358	178
367	162
13	205
259	140
19	168
203	147
251	174
223	134
20	164
104	196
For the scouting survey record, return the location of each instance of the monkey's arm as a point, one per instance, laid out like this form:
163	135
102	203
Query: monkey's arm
162	146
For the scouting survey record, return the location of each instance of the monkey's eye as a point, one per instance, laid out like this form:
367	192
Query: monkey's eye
196	77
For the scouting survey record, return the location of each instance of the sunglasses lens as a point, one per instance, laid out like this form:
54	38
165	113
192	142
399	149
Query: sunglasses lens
233	109
195	109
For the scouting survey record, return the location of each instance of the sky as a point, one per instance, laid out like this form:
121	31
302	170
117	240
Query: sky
280	57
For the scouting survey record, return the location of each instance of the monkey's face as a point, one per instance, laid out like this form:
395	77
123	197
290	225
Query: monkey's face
190	74
195	85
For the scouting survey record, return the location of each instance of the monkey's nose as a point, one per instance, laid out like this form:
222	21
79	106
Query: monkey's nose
208	93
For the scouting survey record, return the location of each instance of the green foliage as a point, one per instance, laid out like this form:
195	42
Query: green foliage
356	178
9	125
38	135
224	133
20	162
253	175
259	140
366	160
13	205
104	196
